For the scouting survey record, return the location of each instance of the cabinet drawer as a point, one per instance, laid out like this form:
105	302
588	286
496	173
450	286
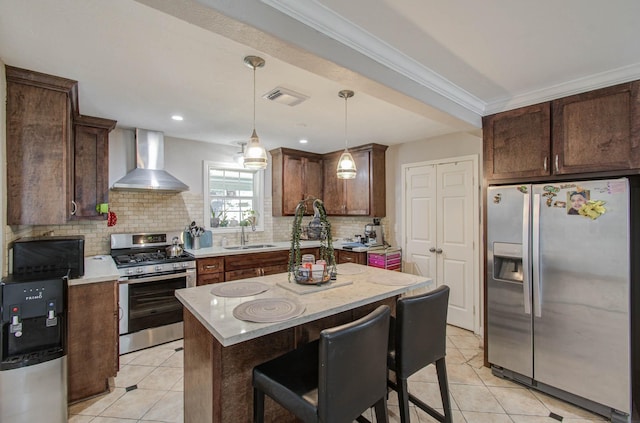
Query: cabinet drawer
253	260
241	274
352	257
210	265
209	278
272	270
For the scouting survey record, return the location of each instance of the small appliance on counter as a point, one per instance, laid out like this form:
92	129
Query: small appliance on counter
373	233
373	238
48	255
33	319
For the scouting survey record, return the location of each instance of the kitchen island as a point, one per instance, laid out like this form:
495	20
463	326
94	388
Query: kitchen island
220	350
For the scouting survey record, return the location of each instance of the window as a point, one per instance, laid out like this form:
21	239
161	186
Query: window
230	194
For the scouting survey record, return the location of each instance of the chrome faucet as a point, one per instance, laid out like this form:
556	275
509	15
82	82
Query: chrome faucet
243	238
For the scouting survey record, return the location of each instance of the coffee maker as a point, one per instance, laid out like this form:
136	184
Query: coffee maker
373	233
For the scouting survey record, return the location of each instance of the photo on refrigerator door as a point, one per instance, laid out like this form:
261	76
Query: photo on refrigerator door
575	201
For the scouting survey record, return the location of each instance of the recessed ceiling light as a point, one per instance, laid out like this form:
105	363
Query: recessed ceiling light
303	141
177	117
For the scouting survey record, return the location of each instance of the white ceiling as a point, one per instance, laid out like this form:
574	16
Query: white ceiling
420	68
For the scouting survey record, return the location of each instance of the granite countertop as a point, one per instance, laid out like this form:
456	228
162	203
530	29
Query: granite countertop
216	251
231	250
97	269
358	285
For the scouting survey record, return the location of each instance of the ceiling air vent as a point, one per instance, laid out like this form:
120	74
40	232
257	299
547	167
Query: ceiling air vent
285	96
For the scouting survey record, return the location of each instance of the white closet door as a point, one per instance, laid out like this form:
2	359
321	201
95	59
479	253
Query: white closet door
455	239
440	229
420	218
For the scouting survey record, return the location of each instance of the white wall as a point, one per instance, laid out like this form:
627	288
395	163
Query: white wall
446	146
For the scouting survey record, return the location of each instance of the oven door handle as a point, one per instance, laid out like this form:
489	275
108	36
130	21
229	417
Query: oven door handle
157	277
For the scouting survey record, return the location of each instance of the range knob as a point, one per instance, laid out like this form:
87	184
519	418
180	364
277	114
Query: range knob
140	270
176	265
129	271
185	265
158	268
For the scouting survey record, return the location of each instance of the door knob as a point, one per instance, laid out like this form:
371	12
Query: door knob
432	250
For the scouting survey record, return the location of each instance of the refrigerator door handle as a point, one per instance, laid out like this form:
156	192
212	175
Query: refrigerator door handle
526	233
535	253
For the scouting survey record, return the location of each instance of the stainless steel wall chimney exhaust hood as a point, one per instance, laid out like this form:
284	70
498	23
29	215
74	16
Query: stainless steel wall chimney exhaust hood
149	173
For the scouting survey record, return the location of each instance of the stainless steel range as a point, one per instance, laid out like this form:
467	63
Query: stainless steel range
150	314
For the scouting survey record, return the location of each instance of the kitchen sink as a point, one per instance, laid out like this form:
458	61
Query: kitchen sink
249	247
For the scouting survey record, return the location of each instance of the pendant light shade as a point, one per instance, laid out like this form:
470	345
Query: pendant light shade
346	164
255	155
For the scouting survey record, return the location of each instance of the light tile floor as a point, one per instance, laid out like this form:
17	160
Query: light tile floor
149	388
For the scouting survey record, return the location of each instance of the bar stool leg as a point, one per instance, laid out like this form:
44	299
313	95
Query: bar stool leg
403	399
382	415
441	369
258	406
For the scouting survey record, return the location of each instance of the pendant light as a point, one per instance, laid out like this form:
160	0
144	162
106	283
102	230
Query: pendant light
255	156
346	164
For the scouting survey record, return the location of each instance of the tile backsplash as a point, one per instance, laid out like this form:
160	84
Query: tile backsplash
140	211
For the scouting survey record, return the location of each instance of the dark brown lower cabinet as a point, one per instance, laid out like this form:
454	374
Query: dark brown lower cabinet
250	265
92	345
210	270
344	256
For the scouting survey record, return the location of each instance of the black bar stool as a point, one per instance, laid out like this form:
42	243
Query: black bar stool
418	338
331	380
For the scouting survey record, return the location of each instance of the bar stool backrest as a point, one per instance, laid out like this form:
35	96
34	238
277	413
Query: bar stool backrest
421	330
352	366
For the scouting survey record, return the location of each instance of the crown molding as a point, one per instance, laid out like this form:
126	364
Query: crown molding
324	20
329	23
576	86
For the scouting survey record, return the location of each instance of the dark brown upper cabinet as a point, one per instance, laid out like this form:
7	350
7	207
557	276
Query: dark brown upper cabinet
517	143
589	133
299	175
40	109
597	131
91	165
365	195
57	160
296	176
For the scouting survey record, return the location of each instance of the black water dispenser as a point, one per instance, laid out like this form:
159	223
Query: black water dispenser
33	366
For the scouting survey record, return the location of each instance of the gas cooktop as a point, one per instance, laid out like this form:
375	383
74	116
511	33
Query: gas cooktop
147	251
155	257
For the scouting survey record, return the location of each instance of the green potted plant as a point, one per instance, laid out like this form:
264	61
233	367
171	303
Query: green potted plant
224	222
326	240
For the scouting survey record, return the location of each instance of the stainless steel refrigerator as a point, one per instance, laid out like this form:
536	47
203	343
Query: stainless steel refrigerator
558	290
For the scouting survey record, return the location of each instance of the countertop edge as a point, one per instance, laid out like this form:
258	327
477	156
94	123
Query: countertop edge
99	268
218	251
269	328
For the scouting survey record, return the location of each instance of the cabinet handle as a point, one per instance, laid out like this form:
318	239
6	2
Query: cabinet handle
432	250
74	208
545	163
438	250
348	259
557	163
211	266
